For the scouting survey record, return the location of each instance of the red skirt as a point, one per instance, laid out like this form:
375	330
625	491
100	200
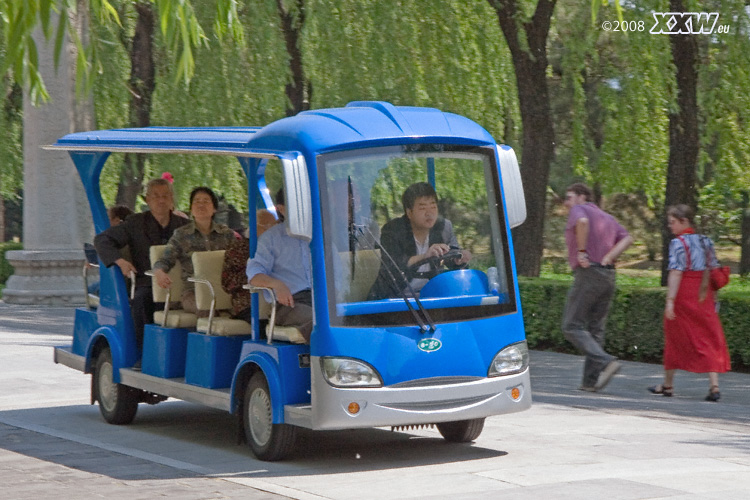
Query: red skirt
694	341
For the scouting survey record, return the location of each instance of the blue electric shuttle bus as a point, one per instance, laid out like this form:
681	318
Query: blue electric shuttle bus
450	355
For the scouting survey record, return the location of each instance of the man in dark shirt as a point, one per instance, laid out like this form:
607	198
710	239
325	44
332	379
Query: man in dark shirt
138	232
418	235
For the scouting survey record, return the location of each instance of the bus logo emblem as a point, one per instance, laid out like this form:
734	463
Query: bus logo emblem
429	345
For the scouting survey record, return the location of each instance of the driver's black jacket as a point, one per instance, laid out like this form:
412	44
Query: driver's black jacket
397	239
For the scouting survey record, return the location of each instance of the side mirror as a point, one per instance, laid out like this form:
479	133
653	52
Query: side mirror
510	174
297	196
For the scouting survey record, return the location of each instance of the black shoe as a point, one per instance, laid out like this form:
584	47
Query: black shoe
714	396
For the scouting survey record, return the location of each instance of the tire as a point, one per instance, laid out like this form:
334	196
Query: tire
118	403
269	441
463	431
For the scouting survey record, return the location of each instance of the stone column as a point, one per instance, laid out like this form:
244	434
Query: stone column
56	218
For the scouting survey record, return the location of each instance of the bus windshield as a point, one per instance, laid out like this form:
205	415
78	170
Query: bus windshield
376	247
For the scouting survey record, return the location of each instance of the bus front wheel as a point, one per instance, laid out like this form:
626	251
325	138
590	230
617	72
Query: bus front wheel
268	441
118	403
463	431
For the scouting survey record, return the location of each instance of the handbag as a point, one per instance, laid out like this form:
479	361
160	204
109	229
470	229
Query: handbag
719	276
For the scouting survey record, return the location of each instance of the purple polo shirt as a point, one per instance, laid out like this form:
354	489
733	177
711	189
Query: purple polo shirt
604	232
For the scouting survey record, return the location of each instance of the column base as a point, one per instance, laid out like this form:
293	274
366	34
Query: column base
45	277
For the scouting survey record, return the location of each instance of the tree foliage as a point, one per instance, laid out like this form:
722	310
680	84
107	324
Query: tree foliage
178	23
11	131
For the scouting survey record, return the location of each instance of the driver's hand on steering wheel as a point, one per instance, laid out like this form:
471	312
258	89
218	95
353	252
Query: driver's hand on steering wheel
436	250
465	257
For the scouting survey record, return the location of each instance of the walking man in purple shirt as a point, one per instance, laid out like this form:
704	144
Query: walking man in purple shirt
594	240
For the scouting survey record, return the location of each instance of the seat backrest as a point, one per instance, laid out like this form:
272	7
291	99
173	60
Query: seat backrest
208	266
366	268
175	274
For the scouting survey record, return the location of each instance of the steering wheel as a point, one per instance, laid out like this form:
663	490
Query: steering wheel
438	260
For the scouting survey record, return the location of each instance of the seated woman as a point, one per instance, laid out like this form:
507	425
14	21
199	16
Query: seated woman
233	275
200	235
415	237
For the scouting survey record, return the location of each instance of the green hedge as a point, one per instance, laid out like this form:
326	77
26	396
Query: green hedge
5	268
634	327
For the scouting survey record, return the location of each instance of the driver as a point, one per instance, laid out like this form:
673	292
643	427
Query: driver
420	235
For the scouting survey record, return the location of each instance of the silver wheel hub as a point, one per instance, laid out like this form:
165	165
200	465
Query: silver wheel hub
259	411
107	388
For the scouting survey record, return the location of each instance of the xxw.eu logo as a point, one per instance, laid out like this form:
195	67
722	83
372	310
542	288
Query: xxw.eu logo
686	23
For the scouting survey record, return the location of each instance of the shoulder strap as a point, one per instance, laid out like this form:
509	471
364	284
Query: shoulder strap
705	249
687	253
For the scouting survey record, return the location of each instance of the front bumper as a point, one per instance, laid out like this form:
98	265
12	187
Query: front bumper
426	403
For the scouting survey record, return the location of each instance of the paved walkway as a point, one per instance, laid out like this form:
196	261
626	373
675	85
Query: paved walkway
623	443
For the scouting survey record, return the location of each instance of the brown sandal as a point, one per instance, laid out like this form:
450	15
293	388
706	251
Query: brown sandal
664	390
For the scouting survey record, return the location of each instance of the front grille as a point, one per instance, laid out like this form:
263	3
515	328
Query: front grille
447	404
429	382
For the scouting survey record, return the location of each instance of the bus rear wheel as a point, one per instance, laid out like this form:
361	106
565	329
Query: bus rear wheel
269	441
118	403
463	431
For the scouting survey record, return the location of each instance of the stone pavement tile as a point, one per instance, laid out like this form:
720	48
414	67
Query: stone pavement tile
719	495
37	466
610	489
409	484
701	444
624	469
716	484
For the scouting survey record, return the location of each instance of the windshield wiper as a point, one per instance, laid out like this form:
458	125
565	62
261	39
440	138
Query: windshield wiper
425	316
350	226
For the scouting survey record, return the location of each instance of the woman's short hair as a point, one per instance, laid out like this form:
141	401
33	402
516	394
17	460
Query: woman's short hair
209	192
681	212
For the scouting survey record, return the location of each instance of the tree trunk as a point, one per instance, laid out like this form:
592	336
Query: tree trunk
683	131
530	63
141	86
299	90
3	238
745	237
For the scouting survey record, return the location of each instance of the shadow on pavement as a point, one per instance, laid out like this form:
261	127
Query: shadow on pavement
176	439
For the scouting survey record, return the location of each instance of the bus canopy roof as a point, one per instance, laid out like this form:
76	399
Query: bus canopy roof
359	124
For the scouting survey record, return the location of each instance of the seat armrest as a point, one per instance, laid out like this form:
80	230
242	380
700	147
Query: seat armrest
272	318
90	298
213	300
167	299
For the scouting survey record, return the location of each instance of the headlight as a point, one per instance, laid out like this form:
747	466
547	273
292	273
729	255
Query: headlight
512	359
346	372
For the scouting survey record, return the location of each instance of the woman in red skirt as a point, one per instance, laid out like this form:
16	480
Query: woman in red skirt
693	337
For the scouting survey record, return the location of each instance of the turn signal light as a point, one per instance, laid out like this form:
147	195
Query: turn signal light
353	408
515	393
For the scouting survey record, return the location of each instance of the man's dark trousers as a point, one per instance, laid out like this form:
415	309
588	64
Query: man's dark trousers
585	317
